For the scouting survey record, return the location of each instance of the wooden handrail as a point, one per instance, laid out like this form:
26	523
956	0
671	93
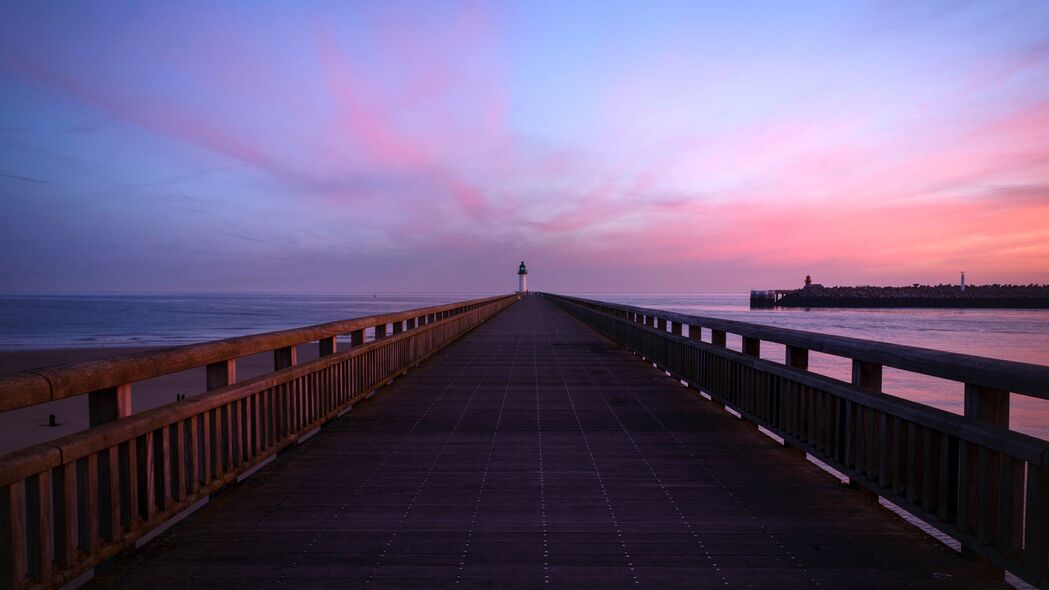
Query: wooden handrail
37	386
968	476
1016	377
75	501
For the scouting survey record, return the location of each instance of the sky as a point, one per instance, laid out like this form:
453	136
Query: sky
432	146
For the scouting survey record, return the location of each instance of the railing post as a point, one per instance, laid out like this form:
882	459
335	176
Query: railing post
661	324
751	346
797	358
285	357
357	337
718	338
398	327
221	374
106	405
380	331
865	376
409	324
327	346
987	405
1036	529
990	406
675	328
695	333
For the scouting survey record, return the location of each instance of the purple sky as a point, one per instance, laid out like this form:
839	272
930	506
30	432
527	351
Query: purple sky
352	146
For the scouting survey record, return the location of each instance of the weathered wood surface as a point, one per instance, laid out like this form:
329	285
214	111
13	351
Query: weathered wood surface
535	452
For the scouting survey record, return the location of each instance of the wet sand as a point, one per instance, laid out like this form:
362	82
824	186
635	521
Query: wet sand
28	426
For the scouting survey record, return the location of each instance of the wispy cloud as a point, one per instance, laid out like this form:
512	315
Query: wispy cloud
904	142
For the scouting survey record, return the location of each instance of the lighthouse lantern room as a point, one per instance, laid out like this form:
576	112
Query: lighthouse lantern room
522	278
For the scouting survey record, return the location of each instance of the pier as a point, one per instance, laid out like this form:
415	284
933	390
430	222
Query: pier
917	296
524	441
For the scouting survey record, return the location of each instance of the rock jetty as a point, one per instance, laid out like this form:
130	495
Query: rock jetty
986	296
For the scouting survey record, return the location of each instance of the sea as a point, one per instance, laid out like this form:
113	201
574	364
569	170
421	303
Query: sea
123	320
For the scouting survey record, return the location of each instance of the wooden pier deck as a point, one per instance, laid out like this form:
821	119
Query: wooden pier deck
535	452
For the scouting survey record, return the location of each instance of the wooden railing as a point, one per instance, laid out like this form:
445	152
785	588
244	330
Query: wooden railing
968	476
68	504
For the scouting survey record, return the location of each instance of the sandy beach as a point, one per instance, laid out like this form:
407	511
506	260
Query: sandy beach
28	426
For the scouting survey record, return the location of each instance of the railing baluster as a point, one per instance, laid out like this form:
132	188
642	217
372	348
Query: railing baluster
1036	525
751	346
183	479
91	502
285	357
115	527
70	519
221	374
165	466
45	525
195	464
16	515
719	338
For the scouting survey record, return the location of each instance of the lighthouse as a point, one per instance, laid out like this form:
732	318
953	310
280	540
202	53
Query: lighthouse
522	278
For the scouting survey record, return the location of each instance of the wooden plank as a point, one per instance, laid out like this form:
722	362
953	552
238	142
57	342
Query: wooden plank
45	526
16	516
1036	526
533	448
149	470
165	459
220	374
195	478
987	405
797	358
91	503
206	447
133	484
182	481
718	338
109	404
285	357
116	529
327	346
751	346
70	521
218	441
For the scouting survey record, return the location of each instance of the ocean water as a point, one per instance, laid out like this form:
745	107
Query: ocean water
72	321
82	321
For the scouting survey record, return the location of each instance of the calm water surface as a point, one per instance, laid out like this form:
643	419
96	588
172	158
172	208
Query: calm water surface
72	321
151	320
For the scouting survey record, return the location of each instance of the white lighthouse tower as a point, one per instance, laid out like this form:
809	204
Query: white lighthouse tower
522	278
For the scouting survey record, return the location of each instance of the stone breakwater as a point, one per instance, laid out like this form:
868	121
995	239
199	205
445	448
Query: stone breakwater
985	296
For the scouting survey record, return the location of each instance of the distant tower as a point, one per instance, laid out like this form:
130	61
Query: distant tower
522	278
808	280
963	280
